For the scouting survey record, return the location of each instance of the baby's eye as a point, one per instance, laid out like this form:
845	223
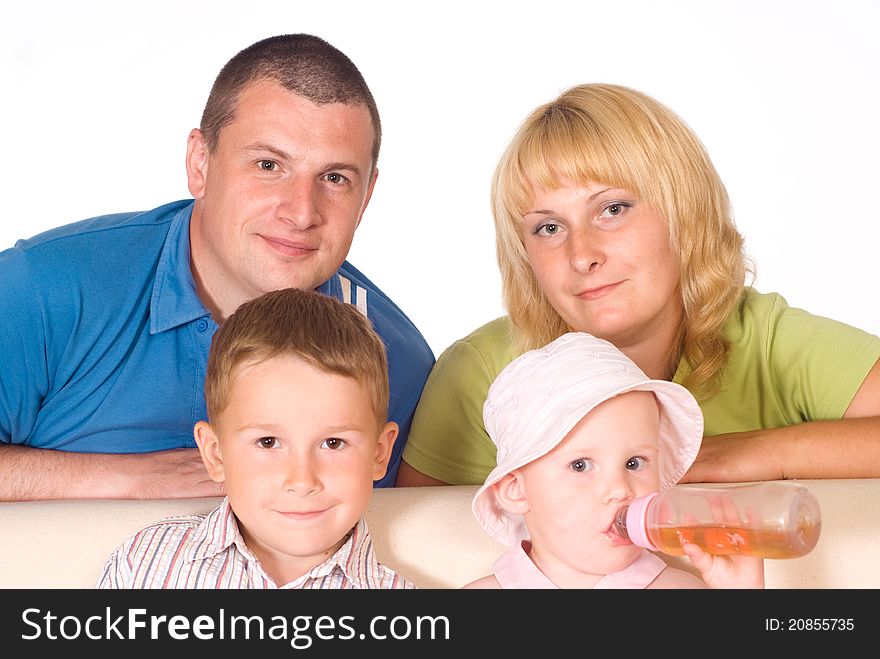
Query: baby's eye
267	442
636	463
581	464
333	443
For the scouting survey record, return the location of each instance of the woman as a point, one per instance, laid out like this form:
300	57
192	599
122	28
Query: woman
611	219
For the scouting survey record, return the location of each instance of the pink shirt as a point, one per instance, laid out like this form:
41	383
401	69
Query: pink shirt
514	569
207	551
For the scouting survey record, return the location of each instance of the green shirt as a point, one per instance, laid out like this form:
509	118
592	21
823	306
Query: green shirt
785	366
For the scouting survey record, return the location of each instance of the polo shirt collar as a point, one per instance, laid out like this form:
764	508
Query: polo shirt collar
175	301
332	287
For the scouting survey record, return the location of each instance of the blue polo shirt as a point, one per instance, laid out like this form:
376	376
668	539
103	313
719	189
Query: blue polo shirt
104	342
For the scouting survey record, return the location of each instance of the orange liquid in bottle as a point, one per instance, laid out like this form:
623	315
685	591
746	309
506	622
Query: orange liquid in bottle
728	540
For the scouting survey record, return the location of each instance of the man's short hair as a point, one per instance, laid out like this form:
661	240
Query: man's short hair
322	331
301	63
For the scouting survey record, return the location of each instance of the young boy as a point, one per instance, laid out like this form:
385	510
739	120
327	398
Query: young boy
297	398
581	431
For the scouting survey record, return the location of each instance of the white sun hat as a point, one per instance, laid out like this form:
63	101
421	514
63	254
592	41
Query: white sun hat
541	395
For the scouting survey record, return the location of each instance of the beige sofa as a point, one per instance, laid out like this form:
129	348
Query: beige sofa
428	534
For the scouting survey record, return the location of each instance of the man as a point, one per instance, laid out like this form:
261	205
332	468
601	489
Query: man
106	324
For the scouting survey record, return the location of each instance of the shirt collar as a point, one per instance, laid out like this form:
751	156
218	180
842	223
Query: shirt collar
355	558
216	533
332	287
175	300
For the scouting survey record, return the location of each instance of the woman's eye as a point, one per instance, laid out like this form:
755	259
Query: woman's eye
548	229
268	165
615	209
268	442
581	464
333	443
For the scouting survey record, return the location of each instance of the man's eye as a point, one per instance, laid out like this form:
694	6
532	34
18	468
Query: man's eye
268	165
337	178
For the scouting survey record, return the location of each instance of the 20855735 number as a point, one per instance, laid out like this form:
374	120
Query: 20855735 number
809	624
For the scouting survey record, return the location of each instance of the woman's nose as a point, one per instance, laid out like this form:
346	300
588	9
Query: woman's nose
585	251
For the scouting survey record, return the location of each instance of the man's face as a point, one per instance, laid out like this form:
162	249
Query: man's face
279	197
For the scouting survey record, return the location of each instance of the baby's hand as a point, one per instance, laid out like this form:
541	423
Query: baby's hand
727	571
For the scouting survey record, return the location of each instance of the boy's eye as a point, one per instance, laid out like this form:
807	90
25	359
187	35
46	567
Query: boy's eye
268	442
333	443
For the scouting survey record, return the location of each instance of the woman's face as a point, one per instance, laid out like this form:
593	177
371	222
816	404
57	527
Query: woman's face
604	260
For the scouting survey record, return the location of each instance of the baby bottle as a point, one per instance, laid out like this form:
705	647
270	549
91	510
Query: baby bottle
769	519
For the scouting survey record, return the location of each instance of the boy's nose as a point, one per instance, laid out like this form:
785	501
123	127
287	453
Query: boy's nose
301	477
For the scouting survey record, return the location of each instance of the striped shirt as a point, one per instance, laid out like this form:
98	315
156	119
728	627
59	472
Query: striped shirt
207	551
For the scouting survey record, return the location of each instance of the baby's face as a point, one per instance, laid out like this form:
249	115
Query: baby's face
575	490
299	450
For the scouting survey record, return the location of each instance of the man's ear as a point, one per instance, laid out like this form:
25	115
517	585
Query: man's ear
196	163
372	184
510	493
209	448
383	449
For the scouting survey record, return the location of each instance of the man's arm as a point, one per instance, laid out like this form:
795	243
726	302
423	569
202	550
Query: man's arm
847	448
31	474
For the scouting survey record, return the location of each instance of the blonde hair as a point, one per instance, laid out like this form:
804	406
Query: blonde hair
621	137
326	333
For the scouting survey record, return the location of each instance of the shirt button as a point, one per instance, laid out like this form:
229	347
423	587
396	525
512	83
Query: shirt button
202	325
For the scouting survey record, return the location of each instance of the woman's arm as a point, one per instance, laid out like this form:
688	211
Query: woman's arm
846	448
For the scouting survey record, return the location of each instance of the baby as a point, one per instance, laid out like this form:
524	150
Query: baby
580	431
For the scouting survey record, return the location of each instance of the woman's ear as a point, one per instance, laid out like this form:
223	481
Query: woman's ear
511	494
209	448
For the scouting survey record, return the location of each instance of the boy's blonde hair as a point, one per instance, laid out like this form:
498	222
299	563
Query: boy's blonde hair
621	137
324	332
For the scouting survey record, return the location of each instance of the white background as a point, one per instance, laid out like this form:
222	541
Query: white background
98	99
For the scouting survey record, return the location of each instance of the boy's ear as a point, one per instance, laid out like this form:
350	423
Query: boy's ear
209	448
383	449
510	493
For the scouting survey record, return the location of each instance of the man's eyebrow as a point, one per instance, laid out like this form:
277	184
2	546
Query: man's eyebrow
280	154
262	147
346	166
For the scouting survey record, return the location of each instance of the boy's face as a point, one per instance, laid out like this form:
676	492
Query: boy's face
297	449
572	494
